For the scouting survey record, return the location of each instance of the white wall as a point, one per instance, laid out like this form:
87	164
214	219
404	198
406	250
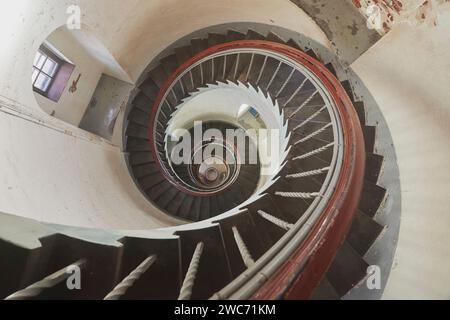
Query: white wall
408	73
72	106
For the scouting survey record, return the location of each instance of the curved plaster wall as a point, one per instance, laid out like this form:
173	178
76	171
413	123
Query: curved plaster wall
408	73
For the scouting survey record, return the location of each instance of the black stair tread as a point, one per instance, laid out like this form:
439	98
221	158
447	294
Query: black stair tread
222	206
305	184
295	167
325	291
136	130
140	117
361	110
23	266
214	207
348	89
213	272
370	133
292	43
230	199
149	88
168	196
183	54
374	164
208	76
308	91
205	212
143	102
137	144
252	240
323	138
290	88
363	233
158	75
227	201
218	68
215	39
258	63
185	209
199	45
269	70
293	208
187	83
251	175
371	199
196	209
347	270
253	35
230	66
233	35
280	78
240	62
197	77
137	158
99	274
151	180
143	170
243	68
313	125
268	204
158	189
164	273
269	232
275	38
244	187
169	63
296	92
180	91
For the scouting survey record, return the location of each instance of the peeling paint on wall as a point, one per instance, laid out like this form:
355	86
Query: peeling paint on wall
388	13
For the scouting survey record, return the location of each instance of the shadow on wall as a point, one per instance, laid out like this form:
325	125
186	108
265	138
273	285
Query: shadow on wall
77	80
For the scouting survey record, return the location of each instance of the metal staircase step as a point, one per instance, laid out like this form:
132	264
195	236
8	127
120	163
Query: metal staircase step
371	199
363	233
143	170
213	271
138	158
163	279
325	291
169	63
347	270
374	164
253	35
233	35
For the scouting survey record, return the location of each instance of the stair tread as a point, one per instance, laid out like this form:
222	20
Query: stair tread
347	270
363	233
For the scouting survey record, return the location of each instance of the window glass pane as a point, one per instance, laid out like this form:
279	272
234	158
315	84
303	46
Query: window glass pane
36	58
39	60
50	67
35	74
42	82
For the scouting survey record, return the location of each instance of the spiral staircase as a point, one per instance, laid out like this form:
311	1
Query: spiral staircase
298	232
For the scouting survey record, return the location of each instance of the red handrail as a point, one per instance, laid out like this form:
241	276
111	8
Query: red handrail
300	275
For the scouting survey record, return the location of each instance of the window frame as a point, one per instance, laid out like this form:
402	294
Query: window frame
48	55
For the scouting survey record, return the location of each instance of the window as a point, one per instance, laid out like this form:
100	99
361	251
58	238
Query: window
44	71
50	74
